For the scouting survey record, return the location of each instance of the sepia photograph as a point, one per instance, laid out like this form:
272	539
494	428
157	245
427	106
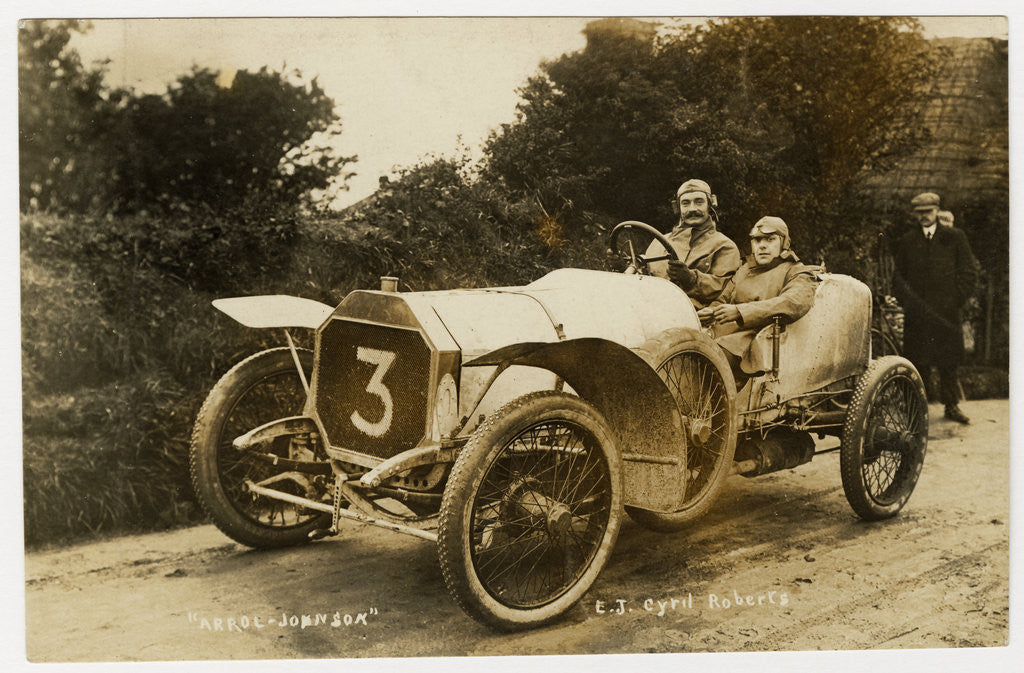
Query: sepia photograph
417	336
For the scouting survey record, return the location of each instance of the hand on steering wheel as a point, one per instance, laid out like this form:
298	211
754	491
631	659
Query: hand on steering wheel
633	232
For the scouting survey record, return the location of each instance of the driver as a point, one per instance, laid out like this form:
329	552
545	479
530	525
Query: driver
707	258
771	282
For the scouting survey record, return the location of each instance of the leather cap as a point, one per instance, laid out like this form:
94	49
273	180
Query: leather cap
771	225
694	186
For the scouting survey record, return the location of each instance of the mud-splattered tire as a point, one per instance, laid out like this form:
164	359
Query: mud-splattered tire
259	389
885	437
531	511
700	380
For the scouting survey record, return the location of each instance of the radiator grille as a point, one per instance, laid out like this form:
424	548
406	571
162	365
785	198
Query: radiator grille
372	387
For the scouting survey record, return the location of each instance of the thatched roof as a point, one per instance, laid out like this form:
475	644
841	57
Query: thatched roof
967	156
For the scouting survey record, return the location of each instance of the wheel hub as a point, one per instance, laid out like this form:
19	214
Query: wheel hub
700	431
898	439
555	516
558	520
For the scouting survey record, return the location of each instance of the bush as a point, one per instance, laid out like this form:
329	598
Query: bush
119	347
106	459
437	226
981	383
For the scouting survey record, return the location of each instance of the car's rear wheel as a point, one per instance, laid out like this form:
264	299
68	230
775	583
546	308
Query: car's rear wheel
885	437
699	378
262	388
531	511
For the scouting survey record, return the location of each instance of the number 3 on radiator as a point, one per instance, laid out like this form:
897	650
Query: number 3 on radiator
383	360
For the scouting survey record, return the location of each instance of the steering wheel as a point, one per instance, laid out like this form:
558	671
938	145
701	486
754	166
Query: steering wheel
633	230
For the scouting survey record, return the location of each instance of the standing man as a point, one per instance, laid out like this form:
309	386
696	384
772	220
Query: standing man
936	275
707	258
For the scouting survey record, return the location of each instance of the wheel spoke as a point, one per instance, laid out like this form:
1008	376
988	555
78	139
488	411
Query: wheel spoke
270	398
888	464
700	395
544	468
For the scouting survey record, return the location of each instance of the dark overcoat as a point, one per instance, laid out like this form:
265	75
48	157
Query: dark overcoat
933	281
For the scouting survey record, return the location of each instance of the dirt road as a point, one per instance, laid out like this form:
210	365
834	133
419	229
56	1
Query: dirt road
817	578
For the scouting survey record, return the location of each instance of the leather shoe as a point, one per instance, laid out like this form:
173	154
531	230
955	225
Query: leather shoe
953	413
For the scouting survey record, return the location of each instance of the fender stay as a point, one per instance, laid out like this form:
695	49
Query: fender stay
293	425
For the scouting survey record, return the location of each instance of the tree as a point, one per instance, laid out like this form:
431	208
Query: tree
781	115
61	118
266	136
594	134
88	148
837	98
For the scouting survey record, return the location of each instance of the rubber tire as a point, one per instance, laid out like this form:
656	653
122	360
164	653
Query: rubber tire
467	474
879	373
660	350
207	436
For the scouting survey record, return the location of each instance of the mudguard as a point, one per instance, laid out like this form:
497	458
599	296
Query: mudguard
634	400
275	310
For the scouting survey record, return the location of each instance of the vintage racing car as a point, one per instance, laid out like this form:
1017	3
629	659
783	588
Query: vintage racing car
514	426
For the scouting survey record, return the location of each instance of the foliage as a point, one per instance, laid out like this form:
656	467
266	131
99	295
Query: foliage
779	114
120	343
119	346
139	210
207	186
207	145
62	115
437	226
592	137
265	138
836	98
105	459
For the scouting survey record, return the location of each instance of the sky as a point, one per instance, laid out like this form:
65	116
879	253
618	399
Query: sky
405	87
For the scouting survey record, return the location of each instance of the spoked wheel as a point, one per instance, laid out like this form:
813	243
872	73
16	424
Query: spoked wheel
531	511
260	389
701	382
885	437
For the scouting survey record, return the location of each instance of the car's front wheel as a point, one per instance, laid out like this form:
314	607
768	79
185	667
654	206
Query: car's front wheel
531	511
262	388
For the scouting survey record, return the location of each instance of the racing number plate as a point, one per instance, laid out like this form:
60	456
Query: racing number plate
372	386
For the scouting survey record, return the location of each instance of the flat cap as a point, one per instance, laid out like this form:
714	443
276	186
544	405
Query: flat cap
925	201
694	186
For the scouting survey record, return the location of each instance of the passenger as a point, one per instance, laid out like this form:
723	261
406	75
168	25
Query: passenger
772	282
707	258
